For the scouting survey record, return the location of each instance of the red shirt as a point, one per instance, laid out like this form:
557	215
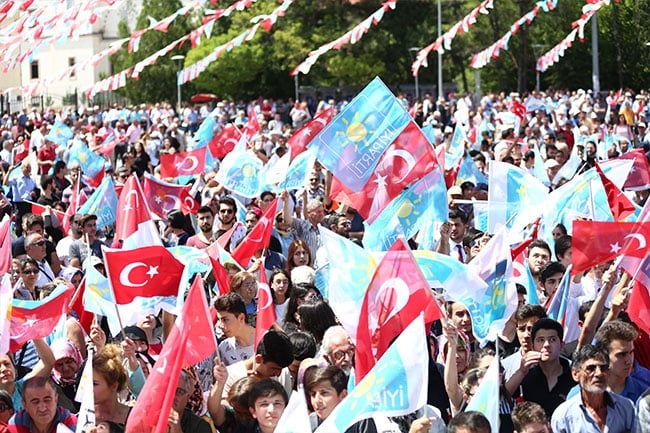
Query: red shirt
45	154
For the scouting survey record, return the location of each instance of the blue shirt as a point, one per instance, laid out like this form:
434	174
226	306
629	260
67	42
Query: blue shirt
572	416
633	389
21	188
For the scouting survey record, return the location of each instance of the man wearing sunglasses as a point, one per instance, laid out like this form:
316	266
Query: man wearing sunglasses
595	409
35	248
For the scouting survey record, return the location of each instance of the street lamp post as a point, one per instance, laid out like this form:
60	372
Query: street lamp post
179	62
441	93
537	75
415	50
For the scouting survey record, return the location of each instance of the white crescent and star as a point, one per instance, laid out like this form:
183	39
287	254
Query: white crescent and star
127	199
264	288
397	286
125	275
639	237
194	163
263	221
176	202
406	156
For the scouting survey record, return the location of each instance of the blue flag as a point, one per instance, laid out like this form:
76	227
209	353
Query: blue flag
468	171
443	271
60	133
299	169
425	200
351	145
456	147
102	203
91	163
203	134
486	400
396	385
557	308
239	173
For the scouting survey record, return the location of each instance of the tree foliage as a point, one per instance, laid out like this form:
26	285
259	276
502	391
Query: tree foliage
262	65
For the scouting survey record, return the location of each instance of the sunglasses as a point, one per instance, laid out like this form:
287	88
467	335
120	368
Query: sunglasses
31	271
38	244
228	211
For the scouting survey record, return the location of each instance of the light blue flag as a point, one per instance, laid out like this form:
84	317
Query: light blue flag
196	261
90	162
527	280
102	203
98	297
299	169
456	147
558	306
425	200
351	145
429	134
443	271
492	308
511	190
486	397
539	170
239	173
468	171
241	209
354	270
203	134
60	133
396	385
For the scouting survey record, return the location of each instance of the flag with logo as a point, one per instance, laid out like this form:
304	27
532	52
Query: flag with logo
147	272
425	200
91	163
396	295
396	385
490	309
190	341
510	190
102	203
239	173
188	163
266	316
259	236
351	145
134	226
86	396
300	139
5	246
37	319
443	271
299	168
557	306
60	133
355	268
225	141
468	171
485	398
407	159
204	134
164	197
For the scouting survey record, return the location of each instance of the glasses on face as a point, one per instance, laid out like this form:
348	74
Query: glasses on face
340	354
346	224
226	211
30	271
249	285
591	368
38	244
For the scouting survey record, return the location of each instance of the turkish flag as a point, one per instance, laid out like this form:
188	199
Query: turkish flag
37	319
164	197
5	246
639	177
190	341
407	159
258	238
396	295
220	274
224	142
620	205
596	242
253	125
183	163
301	138
266	316
72	207
639	306
39	209
146	272
133	225
77	305
519	110
96	180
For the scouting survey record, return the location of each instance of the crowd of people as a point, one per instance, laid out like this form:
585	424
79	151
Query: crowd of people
590	374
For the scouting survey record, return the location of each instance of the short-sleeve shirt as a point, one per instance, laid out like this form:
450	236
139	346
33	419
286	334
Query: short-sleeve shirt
535	387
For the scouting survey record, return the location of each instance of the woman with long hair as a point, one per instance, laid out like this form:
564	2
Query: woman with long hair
280	282
299	255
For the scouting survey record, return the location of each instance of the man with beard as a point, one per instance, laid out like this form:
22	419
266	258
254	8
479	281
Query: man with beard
338	349
595	409
539	254
227	219
204	238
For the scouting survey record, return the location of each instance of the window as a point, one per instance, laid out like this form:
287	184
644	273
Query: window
34	69
71	63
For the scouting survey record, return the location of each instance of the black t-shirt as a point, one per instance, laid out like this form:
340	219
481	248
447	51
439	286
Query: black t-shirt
535	387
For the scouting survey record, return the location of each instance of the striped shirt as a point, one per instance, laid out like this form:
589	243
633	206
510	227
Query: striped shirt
305	231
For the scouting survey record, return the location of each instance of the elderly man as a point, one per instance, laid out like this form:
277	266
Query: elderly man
181	418
35	248
595	409
41	411
338	349
307	230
